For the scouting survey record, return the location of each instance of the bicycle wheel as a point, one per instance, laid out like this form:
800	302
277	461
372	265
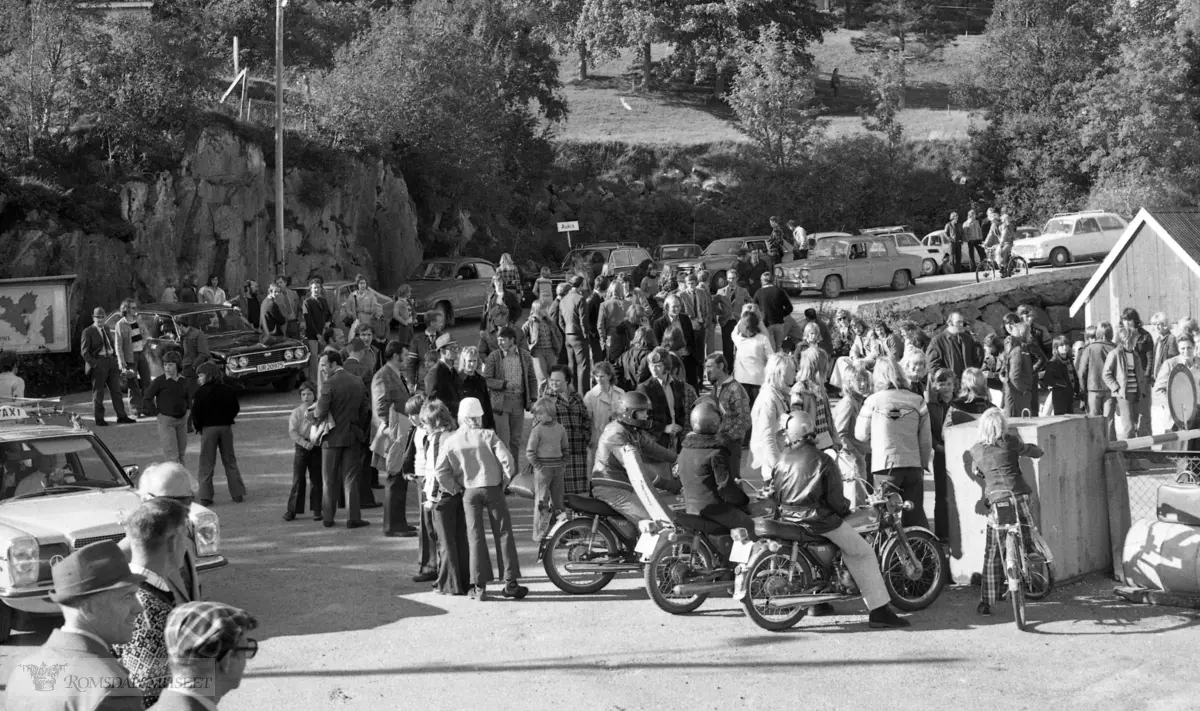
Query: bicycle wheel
1017	266
1016	588
1039	578
985	271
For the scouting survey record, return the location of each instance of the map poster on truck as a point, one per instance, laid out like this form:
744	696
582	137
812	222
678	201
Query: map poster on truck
34	316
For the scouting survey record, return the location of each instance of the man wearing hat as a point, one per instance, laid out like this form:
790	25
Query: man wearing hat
441	382
172	400
75	668
344	399
208	649
100	362
170	480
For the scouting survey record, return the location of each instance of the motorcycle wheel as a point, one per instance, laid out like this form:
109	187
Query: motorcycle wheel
910	595
569	544
776	574
668	567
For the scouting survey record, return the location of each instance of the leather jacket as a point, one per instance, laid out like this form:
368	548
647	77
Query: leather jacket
808	488
609	464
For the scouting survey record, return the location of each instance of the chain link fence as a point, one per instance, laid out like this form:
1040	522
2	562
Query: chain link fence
1159	468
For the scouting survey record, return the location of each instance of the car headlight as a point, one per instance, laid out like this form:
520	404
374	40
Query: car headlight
299	354
243	362
287	355
23	561
803	275
207	529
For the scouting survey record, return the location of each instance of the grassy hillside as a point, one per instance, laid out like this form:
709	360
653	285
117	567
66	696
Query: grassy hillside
607	107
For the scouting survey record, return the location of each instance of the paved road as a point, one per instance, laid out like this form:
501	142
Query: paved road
343	627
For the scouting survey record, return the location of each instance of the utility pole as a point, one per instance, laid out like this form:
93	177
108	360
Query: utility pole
279	233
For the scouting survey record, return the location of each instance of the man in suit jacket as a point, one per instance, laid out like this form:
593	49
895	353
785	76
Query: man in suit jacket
389	392
776	306
344	398
98	595
358	363
100	358
953	348
666	400
441	382
1090	367
317	317
592	318
573	317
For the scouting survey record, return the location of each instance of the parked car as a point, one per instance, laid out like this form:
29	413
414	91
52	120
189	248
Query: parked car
1071	237
933	249
456	286
337	298
670	252
233	342
721	254
843	262
624	257
61	490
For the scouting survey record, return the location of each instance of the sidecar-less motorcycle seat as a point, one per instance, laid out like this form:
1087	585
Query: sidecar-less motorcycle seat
700	524
770	528
588	505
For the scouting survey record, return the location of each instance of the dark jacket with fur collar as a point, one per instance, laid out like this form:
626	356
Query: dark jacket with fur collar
703	468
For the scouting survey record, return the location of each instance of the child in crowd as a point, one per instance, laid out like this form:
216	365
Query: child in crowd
546	452
992	366
412	467
307	458
445	505
1061	380
403	313
996	459
543	288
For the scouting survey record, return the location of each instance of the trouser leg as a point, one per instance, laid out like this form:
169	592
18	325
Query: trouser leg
625	502
941	497
233	475
427	561
451	536
331	470
475	510
727	340
956	251
395	496
1141	413
145	405
730	517
99	382
911	483
295	504
314	360
861	562
352	480
502	533
316	483
548	497
208	461
166	438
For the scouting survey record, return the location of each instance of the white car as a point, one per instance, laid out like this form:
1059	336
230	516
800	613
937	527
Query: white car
933	249
1072	237
61	489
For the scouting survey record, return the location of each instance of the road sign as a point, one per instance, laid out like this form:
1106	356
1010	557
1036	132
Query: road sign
568	226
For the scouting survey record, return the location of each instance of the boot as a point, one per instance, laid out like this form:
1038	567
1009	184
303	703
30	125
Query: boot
883	618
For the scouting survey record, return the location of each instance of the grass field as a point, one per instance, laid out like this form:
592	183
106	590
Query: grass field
608	107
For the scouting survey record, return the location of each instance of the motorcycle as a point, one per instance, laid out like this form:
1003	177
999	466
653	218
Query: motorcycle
789	569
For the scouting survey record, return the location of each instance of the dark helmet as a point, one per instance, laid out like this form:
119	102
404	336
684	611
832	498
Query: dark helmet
706	419
634	410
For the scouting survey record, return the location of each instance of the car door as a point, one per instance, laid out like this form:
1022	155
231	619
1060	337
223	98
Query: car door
1112	227
1087	240
879	263
858	266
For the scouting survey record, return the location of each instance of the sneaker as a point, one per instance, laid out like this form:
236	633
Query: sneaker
289	516
424	577
101	423
478	593
984	609
238	499
514	590
357	524
883	618
823	609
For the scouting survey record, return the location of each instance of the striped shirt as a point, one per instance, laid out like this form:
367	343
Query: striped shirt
135	336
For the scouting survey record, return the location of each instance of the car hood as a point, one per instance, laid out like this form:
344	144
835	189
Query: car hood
73	515
1039	241
245	342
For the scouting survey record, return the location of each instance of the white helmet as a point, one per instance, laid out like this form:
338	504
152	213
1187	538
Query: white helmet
796	426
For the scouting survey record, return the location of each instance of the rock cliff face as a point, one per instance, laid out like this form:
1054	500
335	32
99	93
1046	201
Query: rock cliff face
215	215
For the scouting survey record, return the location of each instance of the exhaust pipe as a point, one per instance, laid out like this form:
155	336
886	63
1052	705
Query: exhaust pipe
690	589
808	600
602	567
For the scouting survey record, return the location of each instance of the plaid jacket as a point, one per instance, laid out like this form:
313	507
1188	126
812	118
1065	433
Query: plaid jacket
493	372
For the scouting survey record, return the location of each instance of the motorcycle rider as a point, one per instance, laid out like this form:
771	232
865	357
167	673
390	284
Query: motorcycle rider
710	489
630	428
807	486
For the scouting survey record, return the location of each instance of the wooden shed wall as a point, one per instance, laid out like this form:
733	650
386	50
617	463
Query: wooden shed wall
1149	277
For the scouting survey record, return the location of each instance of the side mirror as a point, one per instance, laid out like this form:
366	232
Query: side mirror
134	472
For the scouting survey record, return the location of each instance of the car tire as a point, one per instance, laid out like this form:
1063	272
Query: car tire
447	313
831	288
287	383
929	266
6	622
1060	257
900	280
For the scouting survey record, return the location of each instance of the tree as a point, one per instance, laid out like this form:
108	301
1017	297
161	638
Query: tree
913	30
608	26
772	97
882	113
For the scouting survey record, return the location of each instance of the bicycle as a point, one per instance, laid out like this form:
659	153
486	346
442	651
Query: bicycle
1029	576
989	268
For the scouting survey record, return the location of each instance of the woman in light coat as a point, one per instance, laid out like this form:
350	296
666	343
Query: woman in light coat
895	422
751	350
601	403
852	459
766	441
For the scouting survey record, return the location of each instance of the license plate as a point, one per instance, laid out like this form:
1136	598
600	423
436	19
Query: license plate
741	551
265	367
646	544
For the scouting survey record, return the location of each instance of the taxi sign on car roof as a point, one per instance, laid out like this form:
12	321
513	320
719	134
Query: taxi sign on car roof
12	412
20	410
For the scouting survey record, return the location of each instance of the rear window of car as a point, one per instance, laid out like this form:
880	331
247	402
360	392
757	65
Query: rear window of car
1087	225
486	271
877	250
906	240
1111	222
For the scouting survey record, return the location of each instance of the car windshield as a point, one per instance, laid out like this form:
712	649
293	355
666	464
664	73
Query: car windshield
1061	226
579	257
217	321
54	466
719	248
830	248
433	271
680	252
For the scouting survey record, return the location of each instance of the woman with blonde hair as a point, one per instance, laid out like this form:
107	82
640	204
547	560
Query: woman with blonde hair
895	422
471	383
812	343
766	441
544	339
674	331
445	504
974	398
809	394
509	274
852	459
916	370
751	351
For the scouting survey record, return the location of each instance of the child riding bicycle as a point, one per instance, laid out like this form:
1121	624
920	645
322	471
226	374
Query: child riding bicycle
997	461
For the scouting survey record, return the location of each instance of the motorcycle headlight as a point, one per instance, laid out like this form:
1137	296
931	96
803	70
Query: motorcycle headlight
207	529
649	526
906	506
774	546
287	355
23	561
740	535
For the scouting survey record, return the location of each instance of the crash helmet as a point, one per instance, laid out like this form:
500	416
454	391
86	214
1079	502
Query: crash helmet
796	426
706	419
634	410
